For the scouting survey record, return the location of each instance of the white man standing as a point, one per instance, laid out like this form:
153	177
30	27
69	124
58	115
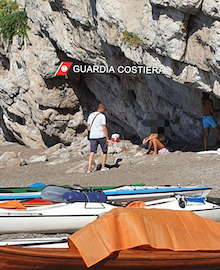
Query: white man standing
96	124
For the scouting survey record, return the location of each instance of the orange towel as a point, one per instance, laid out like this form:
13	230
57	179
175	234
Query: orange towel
14	204
124	228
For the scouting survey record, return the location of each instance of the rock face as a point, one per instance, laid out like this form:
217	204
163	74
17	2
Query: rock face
178	38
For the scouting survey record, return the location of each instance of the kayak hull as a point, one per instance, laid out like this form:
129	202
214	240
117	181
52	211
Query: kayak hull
54	218
153	193
203	209
14	258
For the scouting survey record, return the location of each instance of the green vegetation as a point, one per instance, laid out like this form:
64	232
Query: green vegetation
12	20
131	38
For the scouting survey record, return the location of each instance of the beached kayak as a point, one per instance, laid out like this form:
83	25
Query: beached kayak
112	242
198	205
55	218
120	194
149	193
62	217
34	191
14	258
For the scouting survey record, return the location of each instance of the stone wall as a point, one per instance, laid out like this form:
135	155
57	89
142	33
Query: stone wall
180	37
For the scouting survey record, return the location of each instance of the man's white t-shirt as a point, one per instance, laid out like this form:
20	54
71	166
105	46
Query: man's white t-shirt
96	130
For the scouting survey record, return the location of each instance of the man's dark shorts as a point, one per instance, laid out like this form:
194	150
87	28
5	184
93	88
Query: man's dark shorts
94	145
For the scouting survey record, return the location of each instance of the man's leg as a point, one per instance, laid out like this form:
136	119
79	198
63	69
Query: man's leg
93	150
217	131
150	145
157	145
90	161
205	138
104	147
104	157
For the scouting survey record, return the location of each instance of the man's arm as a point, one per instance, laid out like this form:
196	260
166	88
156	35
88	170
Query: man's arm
211	106
145	140
88	123
152	136
106	134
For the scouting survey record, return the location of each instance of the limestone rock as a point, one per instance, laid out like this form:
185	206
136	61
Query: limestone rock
2	138
184	5
211	8
139	154
9	159
58	152
54	148
57	162
114	150
36	158
65	155
181	38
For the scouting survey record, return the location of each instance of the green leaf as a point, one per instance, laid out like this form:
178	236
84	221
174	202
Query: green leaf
12	21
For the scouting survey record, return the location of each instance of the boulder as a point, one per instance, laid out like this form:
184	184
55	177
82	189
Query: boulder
36	158
9	159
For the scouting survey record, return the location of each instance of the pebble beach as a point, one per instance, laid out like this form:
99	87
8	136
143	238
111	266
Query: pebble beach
67	168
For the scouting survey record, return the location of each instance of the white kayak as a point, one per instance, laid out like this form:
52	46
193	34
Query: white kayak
47	242
15	218
55	218
62	217
149	193
195	204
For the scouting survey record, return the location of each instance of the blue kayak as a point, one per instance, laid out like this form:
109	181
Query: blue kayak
149	193
120	194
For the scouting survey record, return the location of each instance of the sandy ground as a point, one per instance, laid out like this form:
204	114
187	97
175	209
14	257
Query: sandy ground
183	168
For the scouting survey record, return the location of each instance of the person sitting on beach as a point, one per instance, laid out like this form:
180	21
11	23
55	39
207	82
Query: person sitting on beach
208	119
154	141
157	140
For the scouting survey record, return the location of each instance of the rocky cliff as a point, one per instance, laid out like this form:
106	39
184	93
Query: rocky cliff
181	39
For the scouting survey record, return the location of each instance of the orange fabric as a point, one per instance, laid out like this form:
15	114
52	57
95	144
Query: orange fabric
14	204
124	228
136	204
